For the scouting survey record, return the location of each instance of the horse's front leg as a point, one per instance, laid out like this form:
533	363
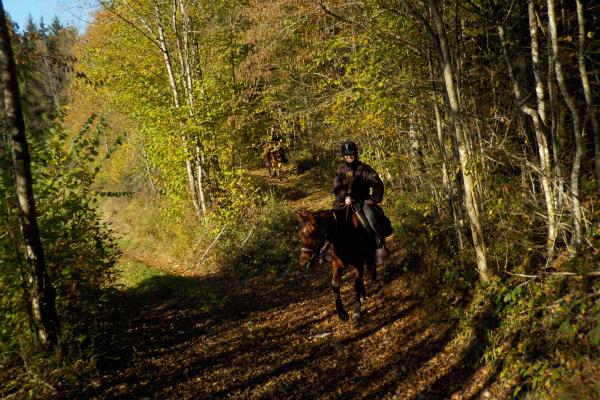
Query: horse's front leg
359	289
335	287
372	269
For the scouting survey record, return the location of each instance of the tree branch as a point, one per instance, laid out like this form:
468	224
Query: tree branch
568	274
111	10
372	30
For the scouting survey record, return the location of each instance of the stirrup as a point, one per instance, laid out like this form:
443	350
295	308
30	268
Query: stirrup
381	256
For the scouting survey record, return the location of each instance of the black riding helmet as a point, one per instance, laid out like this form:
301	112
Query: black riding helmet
349	147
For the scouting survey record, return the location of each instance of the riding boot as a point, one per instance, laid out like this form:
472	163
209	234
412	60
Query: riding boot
381	256
379	223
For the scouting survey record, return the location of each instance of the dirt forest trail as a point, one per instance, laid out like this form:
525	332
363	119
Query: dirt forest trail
280	338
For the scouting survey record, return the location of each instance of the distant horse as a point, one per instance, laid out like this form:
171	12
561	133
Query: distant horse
275	157
352	246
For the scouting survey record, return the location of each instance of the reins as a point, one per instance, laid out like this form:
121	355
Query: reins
307	250
323	242
319	245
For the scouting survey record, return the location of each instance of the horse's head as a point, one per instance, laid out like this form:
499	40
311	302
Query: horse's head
312	237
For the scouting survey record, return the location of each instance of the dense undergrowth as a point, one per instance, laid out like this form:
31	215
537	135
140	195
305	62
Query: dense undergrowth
539	331
80	255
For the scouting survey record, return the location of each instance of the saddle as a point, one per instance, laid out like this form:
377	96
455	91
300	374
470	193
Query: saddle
373	219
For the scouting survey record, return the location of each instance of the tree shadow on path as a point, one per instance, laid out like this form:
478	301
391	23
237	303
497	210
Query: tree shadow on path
262	329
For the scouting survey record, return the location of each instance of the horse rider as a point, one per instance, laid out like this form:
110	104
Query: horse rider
275	136
357	185
275	144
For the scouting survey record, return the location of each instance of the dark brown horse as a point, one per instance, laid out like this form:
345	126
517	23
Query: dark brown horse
352	246
275	157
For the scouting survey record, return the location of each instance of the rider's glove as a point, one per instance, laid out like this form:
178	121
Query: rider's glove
348	200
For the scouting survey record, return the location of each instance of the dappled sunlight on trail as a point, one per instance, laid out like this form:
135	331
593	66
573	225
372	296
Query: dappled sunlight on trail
280	338
235	334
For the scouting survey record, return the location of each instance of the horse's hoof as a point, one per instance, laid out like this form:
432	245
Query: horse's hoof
356	312
343	315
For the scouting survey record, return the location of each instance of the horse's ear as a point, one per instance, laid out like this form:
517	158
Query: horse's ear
300	217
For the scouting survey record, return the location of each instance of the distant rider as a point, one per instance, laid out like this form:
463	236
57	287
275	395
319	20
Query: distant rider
275	145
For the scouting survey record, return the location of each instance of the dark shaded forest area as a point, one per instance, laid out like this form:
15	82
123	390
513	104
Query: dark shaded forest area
146	250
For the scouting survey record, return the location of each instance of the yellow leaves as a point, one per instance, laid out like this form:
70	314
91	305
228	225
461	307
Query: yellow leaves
570	38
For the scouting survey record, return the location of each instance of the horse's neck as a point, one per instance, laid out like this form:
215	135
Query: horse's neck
332	221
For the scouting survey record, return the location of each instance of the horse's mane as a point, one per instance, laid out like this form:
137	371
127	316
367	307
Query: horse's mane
341	217
329	217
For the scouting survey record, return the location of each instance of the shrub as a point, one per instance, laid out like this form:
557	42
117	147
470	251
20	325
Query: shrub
79	249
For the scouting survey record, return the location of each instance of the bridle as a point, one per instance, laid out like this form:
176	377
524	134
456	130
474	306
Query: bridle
317	249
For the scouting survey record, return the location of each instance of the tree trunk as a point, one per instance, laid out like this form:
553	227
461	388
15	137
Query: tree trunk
199	173
181	40
188	70
540	91
456	217
41	295
541	132
415	146
557	117
162	43
189	166
175	91
448	190
545	170
587	91
577	238
467	168
147	166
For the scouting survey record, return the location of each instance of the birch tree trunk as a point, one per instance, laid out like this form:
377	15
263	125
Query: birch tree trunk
456	217
556	127
185	49
455	119
591	111
41	295
545	171
147	165
181	41
158	38
541	132
199	174
577	238
175	92
448	190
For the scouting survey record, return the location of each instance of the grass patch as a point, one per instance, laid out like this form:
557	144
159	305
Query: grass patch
133	273
144	225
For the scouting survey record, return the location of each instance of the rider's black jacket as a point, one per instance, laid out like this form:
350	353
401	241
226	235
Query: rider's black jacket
356	180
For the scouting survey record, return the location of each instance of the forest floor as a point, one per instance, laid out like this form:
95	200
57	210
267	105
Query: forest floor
279	337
